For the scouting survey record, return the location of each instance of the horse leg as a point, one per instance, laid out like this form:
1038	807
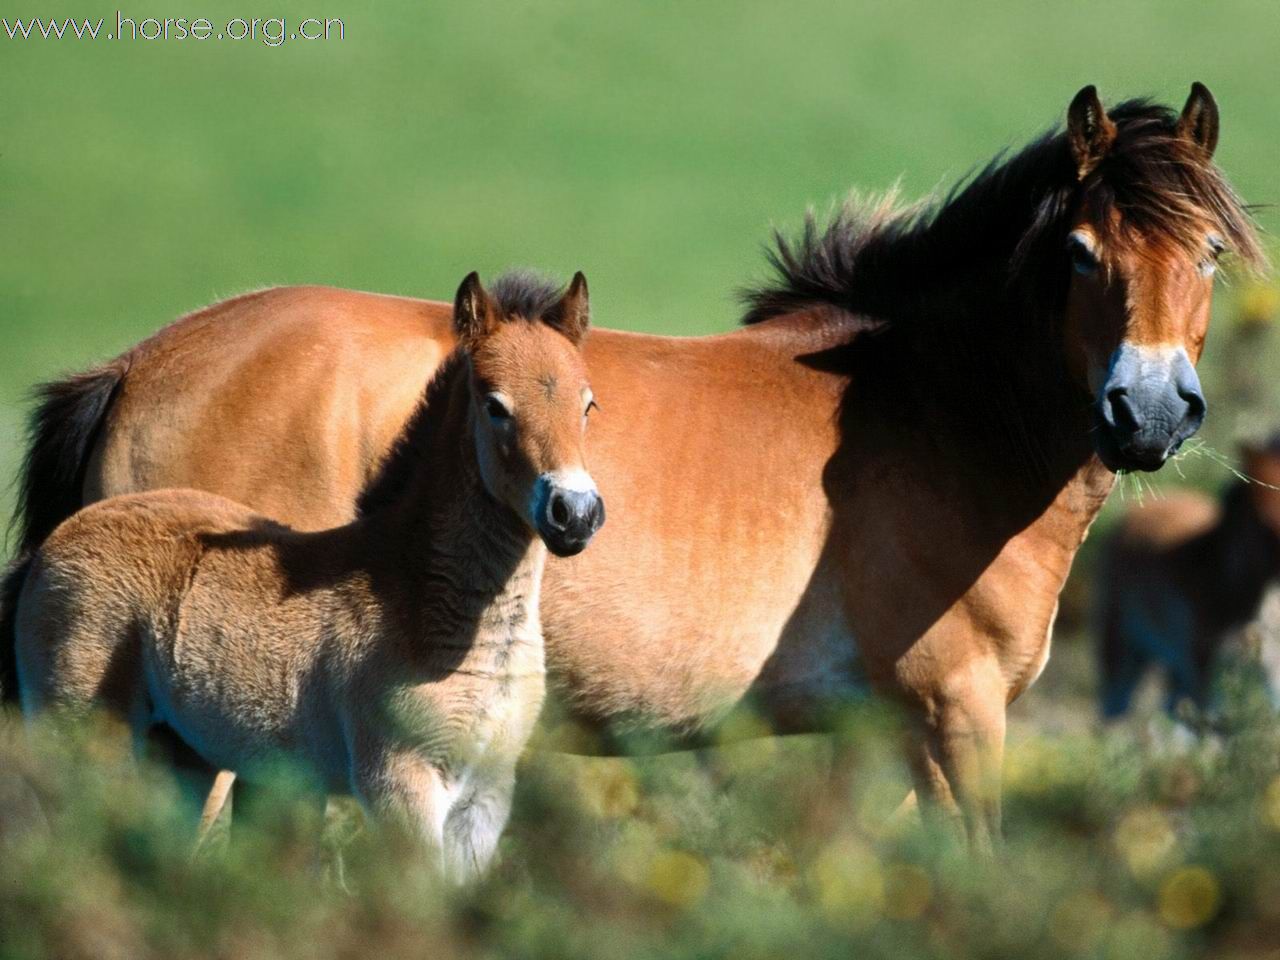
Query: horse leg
908	811
71	669
219	796
200	784
475	825
406	791
958	758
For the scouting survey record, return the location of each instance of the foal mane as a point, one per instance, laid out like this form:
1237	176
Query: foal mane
876	258
522	296
529	295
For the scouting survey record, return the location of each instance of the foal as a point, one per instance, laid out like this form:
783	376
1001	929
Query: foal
399	657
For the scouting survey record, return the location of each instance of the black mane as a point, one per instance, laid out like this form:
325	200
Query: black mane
878	259
526	293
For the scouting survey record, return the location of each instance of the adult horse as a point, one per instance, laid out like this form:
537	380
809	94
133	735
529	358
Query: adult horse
879	482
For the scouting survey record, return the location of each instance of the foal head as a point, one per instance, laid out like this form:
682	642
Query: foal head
1150	217
530	399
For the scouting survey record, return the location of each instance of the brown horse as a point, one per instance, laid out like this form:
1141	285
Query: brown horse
879	482
398	657
1179	576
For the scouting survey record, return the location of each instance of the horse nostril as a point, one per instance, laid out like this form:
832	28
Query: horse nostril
1194	400
1122	413
559	511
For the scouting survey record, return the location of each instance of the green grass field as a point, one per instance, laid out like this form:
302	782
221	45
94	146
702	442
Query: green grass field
651	145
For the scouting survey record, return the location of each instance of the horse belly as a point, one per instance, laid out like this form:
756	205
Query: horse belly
234	682
214	714
782	647
815	672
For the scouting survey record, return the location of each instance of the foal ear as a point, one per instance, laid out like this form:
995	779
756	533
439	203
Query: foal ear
573	312
1199	120
474	312
1089	131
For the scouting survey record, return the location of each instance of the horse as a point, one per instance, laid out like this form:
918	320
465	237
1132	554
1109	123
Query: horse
399	657
1180	576
874	487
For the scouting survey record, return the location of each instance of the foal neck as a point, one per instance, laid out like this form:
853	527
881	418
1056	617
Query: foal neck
466	553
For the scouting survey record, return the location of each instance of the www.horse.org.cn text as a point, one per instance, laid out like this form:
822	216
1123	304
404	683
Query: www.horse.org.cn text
271	31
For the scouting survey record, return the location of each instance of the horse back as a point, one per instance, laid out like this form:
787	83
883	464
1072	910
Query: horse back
107	577
285	400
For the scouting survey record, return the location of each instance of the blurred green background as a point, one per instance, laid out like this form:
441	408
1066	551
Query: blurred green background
651	145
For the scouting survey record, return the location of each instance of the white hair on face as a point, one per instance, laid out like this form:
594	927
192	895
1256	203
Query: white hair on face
575	481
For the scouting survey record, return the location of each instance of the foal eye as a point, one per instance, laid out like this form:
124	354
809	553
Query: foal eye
496	409
1083	260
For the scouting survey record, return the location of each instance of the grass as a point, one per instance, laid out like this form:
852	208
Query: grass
651	145
1116	848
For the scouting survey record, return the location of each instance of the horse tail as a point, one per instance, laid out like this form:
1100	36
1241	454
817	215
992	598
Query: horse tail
61	434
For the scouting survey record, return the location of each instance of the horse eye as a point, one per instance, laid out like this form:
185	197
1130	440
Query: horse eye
1209	264
1083	260
496	409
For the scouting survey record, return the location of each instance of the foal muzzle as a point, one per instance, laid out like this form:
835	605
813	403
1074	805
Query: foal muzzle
1149	405
568	510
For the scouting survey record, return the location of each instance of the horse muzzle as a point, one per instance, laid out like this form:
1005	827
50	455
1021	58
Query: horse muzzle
1149	405
568	511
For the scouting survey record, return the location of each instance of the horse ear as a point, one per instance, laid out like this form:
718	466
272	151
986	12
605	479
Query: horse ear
573	312
1089	131
474	311
1199	120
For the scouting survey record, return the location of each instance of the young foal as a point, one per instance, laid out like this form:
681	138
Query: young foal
1179	577
399	657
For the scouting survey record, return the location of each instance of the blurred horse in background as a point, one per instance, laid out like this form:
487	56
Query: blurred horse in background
1180	577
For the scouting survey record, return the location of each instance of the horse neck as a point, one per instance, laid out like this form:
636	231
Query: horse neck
971	380
474	567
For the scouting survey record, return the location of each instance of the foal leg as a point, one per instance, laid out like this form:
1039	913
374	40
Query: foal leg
215	802
475	825
958	759
405	790
69	671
